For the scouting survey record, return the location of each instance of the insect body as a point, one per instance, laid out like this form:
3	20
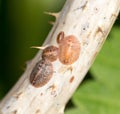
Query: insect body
41	73
69	48
50	53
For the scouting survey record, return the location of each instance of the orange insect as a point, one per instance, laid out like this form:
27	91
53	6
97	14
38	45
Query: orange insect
69	48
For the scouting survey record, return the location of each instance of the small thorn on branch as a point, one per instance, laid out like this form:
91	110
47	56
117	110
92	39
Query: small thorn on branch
39	47
51	22
52	14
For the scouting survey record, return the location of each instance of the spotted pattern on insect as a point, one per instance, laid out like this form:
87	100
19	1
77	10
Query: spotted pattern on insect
69	48
67	52
50	53
41	73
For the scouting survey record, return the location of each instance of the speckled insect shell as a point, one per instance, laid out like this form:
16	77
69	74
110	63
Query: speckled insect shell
50	53
41	73
69	50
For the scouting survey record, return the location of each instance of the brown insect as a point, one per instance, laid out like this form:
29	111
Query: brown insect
50	53
41	73
69	48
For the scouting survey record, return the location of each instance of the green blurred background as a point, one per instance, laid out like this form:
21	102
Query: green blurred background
23	24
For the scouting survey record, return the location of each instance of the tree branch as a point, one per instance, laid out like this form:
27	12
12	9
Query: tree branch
90	22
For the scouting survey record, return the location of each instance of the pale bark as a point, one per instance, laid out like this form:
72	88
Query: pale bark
90	21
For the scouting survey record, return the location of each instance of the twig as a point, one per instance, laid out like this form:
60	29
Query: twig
90	22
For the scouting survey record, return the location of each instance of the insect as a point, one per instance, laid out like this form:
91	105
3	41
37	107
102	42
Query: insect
50	53
69	48
41	73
